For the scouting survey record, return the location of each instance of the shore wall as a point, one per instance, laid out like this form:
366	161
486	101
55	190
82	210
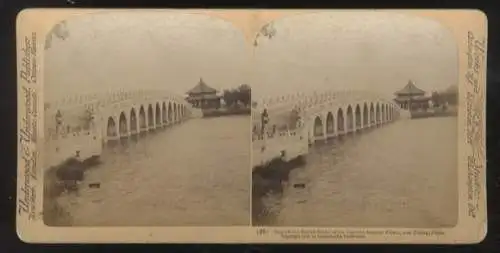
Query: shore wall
63	179
270	178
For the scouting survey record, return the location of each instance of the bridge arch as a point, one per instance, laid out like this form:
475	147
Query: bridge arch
382	120
133	121
122	127
175	111
330	124
365	115
357	113
340	121
150	116
318	127
163	113
350	118
158	115
111	128
372	114
386	112
142	119
170	112
377	113
178	112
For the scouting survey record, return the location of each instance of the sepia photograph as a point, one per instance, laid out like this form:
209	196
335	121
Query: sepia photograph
355	122
145	124
251	126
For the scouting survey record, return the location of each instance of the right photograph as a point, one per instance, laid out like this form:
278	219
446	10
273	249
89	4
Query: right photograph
355	122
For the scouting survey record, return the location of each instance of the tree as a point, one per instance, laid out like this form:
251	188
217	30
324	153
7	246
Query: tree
245	94
450	95
436	99
229	97
242	94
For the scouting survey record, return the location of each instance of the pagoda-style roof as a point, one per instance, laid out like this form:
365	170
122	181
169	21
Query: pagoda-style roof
410	90
201	88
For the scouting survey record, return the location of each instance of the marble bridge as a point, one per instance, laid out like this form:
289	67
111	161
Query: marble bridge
286	126
83	123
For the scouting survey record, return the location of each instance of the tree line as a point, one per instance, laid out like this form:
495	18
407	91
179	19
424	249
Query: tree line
239	95
449	97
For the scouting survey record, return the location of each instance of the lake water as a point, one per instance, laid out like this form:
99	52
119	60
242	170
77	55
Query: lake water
403	174
196	173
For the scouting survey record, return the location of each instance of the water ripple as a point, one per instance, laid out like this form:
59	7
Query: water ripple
400	175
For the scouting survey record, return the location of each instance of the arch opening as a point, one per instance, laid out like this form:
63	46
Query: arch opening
175	112
111	130
330	128
386	112
365	115
377	113
158	115
142	118
133	121
318	127
123	125
372	114
150	117
340	121
169	112
350	119
178	112
382	113
164	113
357	112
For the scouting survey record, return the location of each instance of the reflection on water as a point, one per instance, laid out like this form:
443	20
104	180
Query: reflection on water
400	175
196	173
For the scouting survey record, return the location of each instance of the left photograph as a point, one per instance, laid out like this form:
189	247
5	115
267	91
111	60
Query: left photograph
147	121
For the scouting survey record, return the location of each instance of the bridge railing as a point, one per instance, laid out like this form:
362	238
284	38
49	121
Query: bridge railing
111	97
313	99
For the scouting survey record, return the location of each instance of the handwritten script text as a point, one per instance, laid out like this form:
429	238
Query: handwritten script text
476	48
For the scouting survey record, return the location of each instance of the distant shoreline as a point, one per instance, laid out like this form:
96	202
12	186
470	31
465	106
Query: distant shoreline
207	113
450	112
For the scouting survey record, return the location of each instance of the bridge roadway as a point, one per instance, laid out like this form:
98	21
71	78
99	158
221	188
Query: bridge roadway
319	116
83	123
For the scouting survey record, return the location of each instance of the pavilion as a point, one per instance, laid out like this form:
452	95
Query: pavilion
412	98
203	96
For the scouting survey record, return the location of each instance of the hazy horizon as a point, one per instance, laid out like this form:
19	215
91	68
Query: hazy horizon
372	51
146	51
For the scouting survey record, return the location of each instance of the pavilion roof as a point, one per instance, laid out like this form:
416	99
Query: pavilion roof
201	88
410	89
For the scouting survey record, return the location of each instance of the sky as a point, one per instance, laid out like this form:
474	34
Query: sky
152	51
343	50
369	51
